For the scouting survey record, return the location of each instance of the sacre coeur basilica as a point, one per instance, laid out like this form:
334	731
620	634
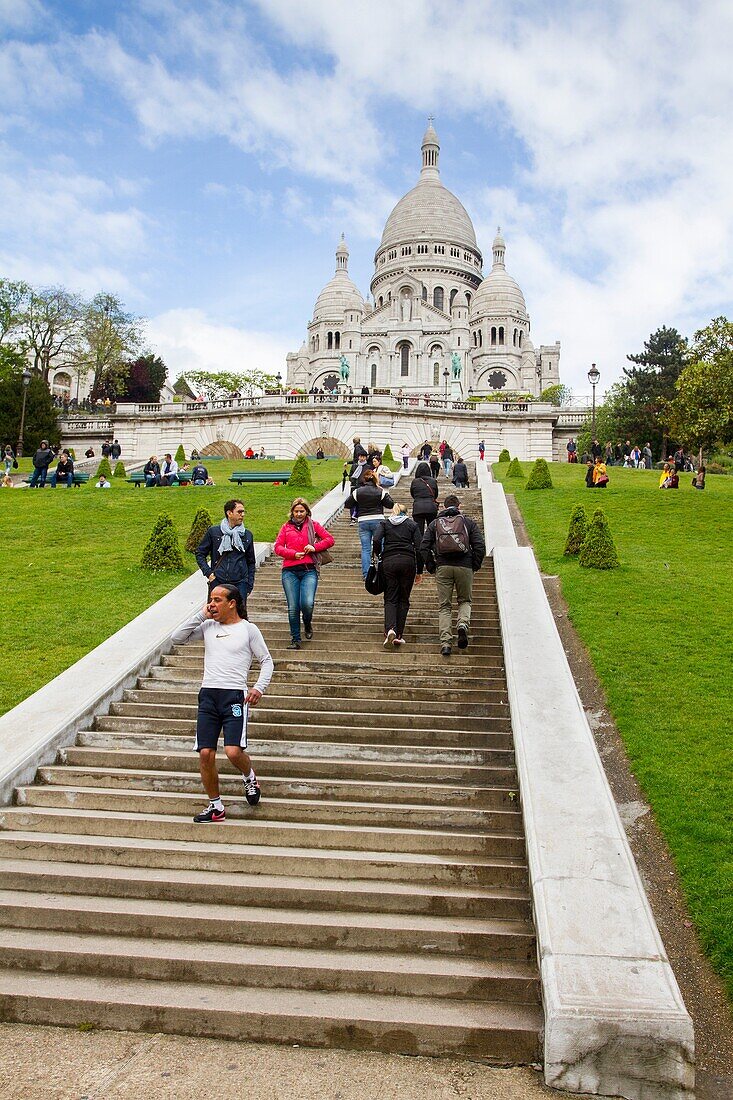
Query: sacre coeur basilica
430	314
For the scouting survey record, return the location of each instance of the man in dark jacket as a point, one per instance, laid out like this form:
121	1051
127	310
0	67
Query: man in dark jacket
199	474
453	548
226	553
42	459
64	471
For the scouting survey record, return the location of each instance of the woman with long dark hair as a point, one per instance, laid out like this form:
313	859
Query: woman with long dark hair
369	500
398	540
424	493
299	539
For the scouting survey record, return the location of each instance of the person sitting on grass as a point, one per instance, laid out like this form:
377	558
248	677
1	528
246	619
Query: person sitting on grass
249	453
698	482
102	483
589	483
7	482
672	480
199	474
600	474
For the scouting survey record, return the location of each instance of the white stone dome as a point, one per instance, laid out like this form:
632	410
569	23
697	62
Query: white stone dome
340	293
429	212
499	292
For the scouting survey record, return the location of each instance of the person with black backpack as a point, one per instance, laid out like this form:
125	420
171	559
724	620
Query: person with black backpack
453	548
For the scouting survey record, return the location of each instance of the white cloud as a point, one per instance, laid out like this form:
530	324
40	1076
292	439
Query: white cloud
20	15
31	78
188	339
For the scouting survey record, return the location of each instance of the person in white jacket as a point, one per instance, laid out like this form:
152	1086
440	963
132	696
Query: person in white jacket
230	644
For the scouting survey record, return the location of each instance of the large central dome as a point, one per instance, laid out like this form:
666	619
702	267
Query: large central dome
429	211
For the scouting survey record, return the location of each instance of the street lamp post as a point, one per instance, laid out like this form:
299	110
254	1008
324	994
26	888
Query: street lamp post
594	377
446	376
26	380
279	378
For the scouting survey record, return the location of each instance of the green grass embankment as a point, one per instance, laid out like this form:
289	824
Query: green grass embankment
659	630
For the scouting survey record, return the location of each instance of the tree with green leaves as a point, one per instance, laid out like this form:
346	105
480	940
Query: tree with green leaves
202	521
41	418
613	418
505	456
50	325
104	468
119	470
539	475
109	337
145	379
219	385
701	412
598	550
162	553
577	530
557	394
13	300
515	469
180	455
300	475
387	455
651	386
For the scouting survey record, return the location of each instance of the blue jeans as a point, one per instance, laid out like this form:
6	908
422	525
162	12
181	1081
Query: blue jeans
68	478
300	592
367	527
37	475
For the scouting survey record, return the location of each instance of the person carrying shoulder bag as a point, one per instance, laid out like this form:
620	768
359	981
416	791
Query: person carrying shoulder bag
424	492
369	500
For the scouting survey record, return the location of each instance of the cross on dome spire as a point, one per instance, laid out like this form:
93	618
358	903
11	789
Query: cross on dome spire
430	152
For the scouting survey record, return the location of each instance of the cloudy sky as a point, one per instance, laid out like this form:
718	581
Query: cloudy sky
202	158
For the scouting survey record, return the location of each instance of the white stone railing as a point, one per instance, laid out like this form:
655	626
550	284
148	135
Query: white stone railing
407	402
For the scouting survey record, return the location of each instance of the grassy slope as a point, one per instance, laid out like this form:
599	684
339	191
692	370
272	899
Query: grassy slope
69	559
659	632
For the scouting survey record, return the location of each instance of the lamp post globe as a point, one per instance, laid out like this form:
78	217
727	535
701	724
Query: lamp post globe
446	376
594	377
26	376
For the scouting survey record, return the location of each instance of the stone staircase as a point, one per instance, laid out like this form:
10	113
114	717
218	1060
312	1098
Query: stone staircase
376	898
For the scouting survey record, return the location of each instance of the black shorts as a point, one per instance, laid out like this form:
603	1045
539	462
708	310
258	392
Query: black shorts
221	709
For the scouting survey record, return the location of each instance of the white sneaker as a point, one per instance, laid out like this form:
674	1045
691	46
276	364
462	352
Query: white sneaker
390	637
399	641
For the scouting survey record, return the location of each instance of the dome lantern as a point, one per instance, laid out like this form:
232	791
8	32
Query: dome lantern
342	255
499	248
430	152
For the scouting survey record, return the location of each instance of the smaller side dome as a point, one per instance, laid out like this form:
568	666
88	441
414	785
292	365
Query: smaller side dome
340	293
499	292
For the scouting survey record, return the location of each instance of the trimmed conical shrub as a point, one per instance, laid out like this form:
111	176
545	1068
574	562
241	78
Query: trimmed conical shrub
387	455
202	521
104	468
515	470
577	530
598	550
162	554
300	476
539	477
120	470
180	454
505	456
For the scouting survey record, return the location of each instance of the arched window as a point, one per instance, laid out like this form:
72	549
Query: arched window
493	336
514	338
404	350
501	334
520	338
438	297
62	384
480	338
475	339
424	291
374	375
381	301
337	340
452	297
436	374
329	341
468	297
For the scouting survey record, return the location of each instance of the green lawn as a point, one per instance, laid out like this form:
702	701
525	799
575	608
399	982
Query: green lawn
659	631
69	561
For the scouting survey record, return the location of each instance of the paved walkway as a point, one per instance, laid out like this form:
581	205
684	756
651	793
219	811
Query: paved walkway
48	1063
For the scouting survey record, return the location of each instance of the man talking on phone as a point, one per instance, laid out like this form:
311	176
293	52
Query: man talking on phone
230	644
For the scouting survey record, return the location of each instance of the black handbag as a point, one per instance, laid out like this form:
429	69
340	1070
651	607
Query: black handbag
374	580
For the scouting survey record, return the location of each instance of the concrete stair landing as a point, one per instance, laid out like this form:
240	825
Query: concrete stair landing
377	898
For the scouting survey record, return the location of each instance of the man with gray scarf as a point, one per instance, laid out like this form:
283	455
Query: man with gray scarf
226	553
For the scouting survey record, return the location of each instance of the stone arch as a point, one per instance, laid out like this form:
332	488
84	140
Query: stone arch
223	448
331	446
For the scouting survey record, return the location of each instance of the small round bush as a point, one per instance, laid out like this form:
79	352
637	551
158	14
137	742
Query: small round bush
515	470
162	554
72	454
387	455
120	470
202	521
539	477
598	550
505	456
104	468
180	454
577	530
300	476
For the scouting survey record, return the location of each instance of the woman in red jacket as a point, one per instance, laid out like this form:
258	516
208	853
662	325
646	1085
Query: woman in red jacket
299	539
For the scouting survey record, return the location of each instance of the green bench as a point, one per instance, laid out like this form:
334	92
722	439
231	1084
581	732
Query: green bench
79	479
138	479
242	477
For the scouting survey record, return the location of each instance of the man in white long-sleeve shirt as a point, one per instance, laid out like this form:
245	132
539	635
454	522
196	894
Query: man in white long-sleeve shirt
230	643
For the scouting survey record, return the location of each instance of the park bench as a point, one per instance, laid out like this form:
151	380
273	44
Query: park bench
315	458
138	479
79	479
242	477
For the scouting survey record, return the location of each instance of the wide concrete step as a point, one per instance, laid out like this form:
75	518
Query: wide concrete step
321	676
210	923
405	867
385	794
410	657
254	831
137	797
287	891
290	685
265	967
341	771
392	726
351	751
502	1033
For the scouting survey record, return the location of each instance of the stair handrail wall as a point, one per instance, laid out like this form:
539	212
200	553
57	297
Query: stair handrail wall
615	1021
33	732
